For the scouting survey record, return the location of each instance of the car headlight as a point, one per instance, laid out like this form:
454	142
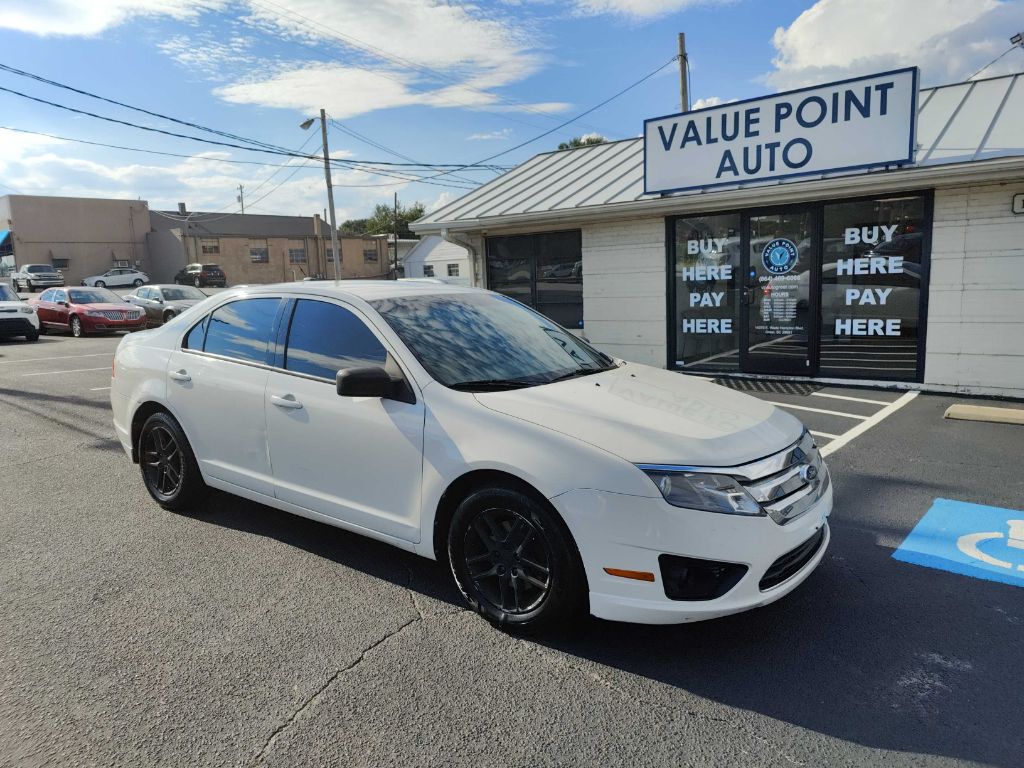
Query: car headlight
93	313
704	491
29	310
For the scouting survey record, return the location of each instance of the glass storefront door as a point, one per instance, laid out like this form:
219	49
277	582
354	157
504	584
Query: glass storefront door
780	297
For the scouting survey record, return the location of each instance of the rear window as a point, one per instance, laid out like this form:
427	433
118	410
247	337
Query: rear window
211	267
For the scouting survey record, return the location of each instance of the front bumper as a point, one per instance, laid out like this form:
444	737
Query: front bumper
18	324
106	325
631	532
43	282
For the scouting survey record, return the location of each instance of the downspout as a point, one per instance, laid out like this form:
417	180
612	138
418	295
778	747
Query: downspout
464	241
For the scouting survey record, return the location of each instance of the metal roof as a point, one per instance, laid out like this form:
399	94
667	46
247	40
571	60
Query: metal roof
958	123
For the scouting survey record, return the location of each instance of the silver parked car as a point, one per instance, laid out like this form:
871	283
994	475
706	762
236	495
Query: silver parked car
163	302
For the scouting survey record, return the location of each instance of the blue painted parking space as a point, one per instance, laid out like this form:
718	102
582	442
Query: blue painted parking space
969	539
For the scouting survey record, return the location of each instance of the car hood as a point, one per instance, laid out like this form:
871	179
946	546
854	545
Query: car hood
12	304
651	416
107	307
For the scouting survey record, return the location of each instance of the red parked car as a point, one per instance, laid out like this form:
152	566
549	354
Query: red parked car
86	310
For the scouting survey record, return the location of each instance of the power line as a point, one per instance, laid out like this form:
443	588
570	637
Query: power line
997	58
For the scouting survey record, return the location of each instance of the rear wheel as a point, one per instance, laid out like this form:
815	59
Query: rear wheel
76	327
169	467
28	286
168	316
198	283
515	562
136	283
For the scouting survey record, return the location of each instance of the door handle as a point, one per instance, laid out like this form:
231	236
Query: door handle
181	375
288	401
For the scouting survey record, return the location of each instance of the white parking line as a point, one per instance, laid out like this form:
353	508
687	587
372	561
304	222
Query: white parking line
75	370
818	410
864	426
854	399
823	434
62	357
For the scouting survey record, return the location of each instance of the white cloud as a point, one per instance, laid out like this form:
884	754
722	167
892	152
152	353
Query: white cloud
73	17
502	135
948	39
711	101
635	9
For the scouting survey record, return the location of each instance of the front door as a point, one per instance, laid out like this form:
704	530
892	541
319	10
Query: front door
780	292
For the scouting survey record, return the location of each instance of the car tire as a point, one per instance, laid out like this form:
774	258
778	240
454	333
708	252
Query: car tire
34	336
168	316
77	330
100	284
169	468
136	283
198	283
515	562
28	286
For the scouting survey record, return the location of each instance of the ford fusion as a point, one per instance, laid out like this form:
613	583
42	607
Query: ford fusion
459	424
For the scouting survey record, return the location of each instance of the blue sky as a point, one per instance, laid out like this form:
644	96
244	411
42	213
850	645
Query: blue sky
437	82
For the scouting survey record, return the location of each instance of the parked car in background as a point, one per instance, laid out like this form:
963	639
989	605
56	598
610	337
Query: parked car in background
461	425
201	276
33	276
163	302
16	317
119	277
86	310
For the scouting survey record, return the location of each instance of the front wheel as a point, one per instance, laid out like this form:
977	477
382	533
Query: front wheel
198	283
33	336
100	284
76	328
169	467
28	286
515	562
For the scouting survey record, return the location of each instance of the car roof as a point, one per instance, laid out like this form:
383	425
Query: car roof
367	290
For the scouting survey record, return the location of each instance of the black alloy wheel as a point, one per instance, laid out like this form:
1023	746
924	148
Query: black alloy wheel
169	467
515	562
76	327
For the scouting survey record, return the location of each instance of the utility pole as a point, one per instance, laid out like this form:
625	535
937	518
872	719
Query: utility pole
395	266
684	71
330	195
241	197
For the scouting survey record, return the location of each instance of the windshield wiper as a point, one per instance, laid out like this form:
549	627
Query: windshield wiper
582	372
463	386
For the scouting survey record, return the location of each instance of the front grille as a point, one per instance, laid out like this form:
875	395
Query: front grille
15	325
119	314
788	483
792	561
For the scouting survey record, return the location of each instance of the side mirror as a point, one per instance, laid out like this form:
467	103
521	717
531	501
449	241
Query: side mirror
373	381
159	301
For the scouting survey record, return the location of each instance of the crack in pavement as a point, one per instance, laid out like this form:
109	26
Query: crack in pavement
323	688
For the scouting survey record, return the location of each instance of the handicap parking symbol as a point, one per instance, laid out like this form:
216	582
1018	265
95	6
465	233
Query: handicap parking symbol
969	539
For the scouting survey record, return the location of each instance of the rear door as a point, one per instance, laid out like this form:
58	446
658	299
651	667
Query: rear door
356	459
216	386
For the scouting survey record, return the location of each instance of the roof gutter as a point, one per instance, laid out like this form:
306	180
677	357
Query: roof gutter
946	175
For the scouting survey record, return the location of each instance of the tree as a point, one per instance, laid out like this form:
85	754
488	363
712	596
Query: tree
583	141
382	221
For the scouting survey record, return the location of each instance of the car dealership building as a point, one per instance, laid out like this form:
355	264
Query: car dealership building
864	231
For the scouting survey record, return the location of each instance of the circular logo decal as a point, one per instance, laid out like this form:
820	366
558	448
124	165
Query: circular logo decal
779	256
809	472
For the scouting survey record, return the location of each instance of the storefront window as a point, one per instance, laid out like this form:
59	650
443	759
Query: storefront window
544	271
707	275
871	288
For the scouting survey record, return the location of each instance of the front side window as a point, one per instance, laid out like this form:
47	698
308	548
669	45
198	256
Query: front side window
242	329
325	338
544	271
60	296
258	252
485	341
871	288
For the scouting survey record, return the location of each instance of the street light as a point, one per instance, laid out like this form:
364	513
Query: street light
306	125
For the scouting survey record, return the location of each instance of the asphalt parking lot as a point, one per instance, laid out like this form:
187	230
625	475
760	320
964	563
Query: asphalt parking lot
130	636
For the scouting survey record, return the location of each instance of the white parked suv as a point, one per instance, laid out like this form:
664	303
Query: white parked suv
119	277
16	317
461	425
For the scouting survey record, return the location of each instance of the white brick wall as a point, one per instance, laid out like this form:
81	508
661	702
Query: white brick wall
976	297
624	303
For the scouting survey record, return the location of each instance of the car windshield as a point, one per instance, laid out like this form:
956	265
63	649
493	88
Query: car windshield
485	341
182	293
7	294
93	296
39	268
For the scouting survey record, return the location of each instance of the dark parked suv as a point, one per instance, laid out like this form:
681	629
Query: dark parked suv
202	275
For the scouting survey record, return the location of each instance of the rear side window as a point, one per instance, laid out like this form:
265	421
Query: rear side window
195	338
242	329
325	338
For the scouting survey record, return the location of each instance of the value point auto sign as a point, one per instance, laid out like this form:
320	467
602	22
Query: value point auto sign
853	124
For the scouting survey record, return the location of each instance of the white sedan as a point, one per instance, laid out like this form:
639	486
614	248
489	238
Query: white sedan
458	424
120	277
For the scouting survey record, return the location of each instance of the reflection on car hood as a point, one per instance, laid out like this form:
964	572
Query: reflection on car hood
647	415
182	303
